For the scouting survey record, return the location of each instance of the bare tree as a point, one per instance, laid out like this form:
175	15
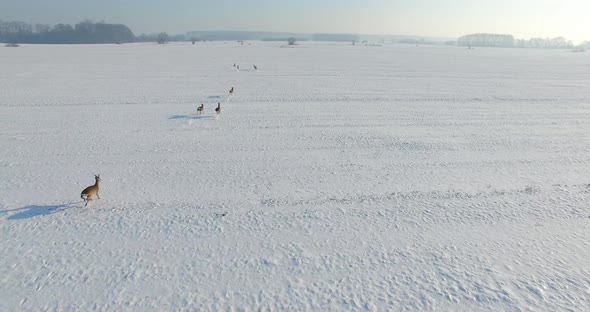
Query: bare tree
42	28
163	38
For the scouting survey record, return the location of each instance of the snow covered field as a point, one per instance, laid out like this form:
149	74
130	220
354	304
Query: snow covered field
337	177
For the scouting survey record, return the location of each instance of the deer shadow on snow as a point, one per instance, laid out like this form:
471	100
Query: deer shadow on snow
190	117
32	211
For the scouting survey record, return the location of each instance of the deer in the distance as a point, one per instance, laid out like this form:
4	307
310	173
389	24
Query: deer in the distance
91	190
218	109
200	109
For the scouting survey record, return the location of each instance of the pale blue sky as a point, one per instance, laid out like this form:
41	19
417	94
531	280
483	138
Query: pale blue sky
440	18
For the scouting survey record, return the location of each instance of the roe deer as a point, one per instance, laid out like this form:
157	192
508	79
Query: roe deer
218	109
91	190
200	109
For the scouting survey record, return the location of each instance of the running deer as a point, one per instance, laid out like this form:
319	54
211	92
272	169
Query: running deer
200	109
218	109
91	190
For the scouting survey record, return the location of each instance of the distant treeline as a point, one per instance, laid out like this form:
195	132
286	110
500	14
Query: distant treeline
335	37
241	35
268	36
84	32
486	40
545	43
89	32
285	39
508	41
160	38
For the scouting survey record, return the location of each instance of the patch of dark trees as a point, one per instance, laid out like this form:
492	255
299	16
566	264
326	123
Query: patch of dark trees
81	33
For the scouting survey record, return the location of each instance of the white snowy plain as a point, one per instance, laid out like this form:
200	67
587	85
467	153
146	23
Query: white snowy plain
336	178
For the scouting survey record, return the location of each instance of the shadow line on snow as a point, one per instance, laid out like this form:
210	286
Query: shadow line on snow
189	117
32	211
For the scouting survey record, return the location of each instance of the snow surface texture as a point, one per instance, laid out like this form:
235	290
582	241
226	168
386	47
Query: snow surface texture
337	177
